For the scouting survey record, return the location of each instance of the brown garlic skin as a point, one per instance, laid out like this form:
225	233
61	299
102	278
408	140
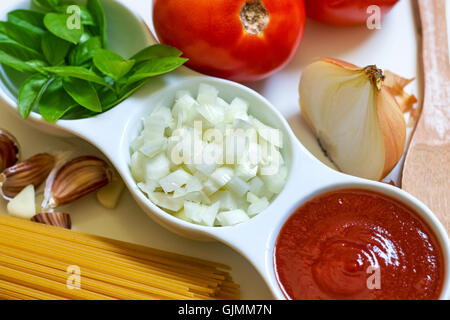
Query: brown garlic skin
78	178
9	150
31	171
56	219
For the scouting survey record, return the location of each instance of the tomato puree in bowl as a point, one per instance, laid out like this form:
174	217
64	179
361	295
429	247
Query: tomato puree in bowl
358	244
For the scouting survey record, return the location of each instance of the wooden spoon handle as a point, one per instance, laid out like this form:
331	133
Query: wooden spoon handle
426	172
435	42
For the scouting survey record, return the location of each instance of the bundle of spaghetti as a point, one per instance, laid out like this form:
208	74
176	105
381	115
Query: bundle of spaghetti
36	262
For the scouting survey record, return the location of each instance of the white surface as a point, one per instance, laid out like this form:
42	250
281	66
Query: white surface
393	47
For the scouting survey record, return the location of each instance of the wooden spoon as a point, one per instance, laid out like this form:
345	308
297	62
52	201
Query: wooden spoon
426	172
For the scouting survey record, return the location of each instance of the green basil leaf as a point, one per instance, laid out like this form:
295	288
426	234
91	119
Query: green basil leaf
47	4
28	19
22	35
54	48
156	67
23	66
59	24
15	49
83	93
111	64
30	93
38	66
85	15
78	112
98	15
55	101
76	72
84	51
156	51
110	100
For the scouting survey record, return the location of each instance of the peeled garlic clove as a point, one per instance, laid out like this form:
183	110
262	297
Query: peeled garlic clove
31	171
23	204
355	117
78	178
109	195
56	219
9	150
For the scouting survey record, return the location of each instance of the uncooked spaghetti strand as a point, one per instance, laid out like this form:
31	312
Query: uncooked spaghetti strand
11	295
97	265
159	282
61	277
104	243
137	265
26	291
87	273
47	285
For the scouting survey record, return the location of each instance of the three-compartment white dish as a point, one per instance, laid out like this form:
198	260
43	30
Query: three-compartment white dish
254	239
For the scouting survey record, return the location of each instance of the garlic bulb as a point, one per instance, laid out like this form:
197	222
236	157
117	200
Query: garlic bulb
357	115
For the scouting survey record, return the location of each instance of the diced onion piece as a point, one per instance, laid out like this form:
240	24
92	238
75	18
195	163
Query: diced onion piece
271	135
210	187
238	186
137	165
221	176
182	215
151	148
198	196
226	200
257	186
257	207
231	218
193	211
175	180
246	171
207	94
276	182
213	114
209	214
157	167
166	201
148	187
238	109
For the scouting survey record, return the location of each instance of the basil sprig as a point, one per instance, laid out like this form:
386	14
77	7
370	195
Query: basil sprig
72	74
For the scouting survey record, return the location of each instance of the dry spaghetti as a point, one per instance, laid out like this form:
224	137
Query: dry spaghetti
34	259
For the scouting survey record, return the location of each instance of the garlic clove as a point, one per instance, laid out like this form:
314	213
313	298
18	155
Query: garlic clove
9	150
109	195
31	171
23	204
78	178
355	117
56	219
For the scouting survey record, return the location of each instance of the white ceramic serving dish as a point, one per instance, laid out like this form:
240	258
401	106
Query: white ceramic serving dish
256	238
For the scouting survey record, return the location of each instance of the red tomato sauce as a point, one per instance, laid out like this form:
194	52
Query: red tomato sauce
357	244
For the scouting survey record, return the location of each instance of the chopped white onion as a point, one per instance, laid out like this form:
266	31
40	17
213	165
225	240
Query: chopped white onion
219	177
231	218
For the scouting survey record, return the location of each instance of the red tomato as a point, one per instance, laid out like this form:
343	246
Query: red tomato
234	39
345	12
